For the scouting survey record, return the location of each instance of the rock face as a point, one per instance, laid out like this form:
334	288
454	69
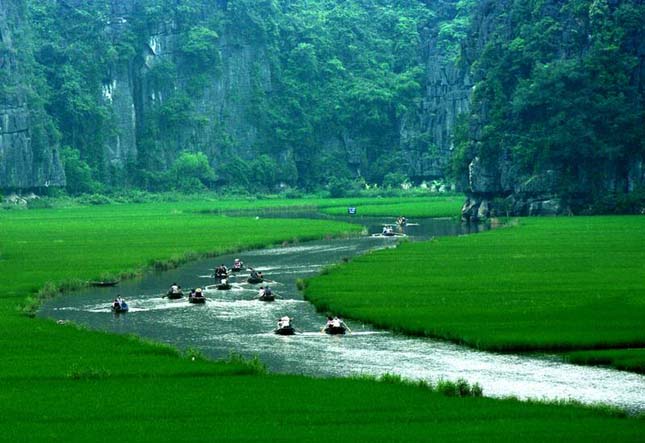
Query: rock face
133	92
140	90
227	98
427	134
498	181
28	150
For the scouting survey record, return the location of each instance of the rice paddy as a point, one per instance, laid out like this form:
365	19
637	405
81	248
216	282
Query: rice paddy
548	284
59	382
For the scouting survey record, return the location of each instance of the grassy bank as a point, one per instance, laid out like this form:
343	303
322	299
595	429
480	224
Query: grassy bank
64	383
625	359
547	284
411	208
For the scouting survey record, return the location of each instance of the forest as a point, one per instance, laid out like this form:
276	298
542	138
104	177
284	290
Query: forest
503	99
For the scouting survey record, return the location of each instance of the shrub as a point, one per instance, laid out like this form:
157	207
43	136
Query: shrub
459	388
78	173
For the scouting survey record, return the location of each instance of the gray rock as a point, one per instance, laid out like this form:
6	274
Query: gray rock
482	179
28	148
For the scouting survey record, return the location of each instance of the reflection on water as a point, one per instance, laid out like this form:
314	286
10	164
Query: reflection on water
235	321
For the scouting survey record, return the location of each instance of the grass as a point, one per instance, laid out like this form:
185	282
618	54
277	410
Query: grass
632	360
61	382
417	208
547	284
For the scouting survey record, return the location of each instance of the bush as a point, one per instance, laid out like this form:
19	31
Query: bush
395	180
78	173
94	199
460	388
342	187
191	172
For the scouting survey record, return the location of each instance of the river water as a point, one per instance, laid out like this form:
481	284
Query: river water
234	321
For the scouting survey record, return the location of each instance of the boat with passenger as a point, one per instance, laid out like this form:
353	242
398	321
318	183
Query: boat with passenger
238	265
284	327
255	277
196	296
174	292
335	326
119	306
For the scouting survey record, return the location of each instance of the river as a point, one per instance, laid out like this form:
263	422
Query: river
235	322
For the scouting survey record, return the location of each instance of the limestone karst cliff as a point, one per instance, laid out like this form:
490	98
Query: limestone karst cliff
28	144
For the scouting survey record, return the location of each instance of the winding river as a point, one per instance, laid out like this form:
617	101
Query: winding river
234	321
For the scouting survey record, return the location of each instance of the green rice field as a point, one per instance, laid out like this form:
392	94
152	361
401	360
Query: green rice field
434	207
60	382
545	284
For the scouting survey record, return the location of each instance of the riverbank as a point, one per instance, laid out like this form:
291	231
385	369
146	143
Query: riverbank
547	284
62	382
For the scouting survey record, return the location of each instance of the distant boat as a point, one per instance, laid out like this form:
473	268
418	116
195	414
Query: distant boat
119	308
174	295
223	286
267	297
104	283
196	299
285	330
335	330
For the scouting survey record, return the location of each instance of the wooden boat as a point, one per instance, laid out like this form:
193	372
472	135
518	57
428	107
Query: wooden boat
254	280
120	308
196	299
104	283
265	297
224	286
286	330
234	269
174	295
335	330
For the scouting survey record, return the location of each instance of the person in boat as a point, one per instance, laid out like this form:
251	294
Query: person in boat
237	264
387	230
175	288
254	274
260	276
223	282
284	322
221	271
192	292
268	291
198	293
261	292
118	302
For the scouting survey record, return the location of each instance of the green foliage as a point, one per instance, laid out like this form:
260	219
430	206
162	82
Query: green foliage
78	173
191	172
59	372
395	179
567	283
200	46
626	359
558	98
341	187
459	388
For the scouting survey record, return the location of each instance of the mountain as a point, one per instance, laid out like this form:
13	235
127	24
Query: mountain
528	106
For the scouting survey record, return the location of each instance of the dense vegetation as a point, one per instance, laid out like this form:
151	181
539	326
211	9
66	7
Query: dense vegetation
337	69
63	382
265	95
559	87
547	284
